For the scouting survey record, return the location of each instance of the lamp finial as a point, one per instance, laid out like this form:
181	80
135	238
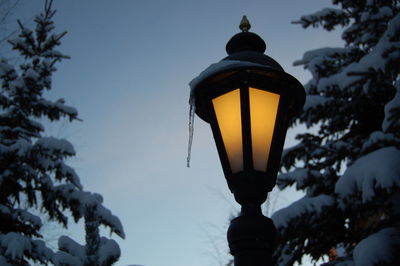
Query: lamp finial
244	24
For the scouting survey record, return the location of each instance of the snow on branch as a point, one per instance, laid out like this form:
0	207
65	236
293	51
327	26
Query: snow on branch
313	101
64	170
108	219
379	139
68	245
52	145
19	147
318	54
62	258
15	245
378	169
328	18
5	68
379	59
392	112
305	205
300	176
109	251
379	248
82	200
41	252
28	218
54	110
384	13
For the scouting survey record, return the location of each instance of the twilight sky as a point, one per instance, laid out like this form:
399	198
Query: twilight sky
128	76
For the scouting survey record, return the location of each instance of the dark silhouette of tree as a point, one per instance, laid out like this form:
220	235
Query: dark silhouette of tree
349	169
33	169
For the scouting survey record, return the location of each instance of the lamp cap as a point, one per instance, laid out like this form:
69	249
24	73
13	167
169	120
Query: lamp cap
244	24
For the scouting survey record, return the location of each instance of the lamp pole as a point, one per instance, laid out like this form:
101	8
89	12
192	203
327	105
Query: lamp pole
251	237
248	99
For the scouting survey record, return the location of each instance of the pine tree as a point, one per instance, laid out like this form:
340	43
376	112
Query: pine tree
33	169
98	251
348	162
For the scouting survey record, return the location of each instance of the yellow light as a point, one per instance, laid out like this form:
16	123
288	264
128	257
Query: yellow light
228	112
263	111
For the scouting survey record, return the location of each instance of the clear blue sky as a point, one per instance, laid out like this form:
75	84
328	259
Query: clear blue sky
131	64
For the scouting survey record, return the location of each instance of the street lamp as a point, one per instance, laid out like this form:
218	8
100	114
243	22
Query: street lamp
248	99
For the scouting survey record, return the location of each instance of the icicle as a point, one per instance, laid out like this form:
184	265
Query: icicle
191	129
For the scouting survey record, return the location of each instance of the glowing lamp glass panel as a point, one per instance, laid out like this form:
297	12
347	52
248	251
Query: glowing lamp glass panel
228	112
263	111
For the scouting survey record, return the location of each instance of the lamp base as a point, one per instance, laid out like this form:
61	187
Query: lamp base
251	238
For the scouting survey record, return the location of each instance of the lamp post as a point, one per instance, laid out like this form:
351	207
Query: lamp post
248	99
